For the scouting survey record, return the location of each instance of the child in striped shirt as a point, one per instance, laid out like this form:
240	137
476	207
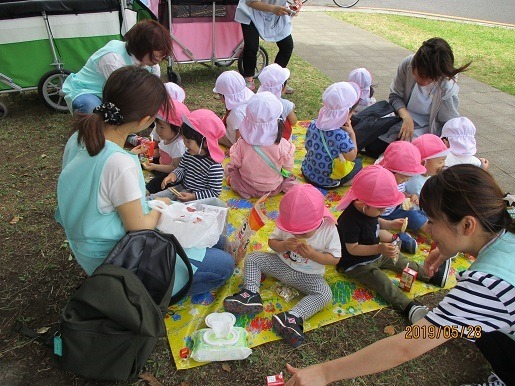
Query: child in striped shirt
200	173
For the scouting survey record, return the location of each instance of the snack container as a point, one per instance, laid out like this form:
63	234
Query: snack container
408	277
275	380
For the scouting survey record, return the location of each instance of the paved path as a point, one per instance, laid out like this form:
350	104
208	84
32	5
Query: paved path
335	48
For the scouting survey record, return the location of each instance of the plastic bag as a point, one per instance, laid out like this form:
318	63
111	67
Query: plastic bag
194	224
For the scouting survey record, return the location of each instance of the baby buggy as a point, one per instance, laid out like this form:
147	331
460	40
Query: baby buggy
204	31
42	41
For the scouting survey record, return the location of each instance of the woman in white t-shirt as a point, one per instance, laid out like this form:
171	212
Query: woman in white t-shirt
467	213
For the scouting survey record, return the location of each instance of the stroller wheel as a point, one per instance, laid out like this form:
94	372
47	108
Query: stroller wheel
262	61
224	63
50	90
173	76
3	111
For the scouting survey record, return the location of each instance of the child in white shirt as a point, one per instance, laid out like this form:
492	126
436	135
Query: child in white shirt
363	78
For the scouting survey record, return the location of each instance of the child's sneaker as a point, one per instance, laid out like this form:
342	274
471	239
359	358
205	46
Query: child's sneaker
440	277
416	311
409	244
493	380
244	302
289	327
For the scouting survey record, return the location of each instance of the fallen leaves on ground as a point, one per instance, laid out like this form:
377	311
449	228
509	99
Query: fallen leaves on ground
150	379
390	330
226	367
14	220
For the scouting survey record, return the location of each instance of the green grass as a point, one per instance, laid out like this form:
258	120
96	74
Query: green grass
489	48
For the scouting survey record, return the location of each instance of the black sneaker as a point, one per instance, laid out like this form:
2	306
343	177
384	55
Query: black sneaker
440	277
289	327
244	302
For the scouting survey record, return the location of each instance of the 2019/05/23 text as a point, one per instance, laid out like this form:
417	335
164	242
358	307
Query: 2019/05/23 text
447	332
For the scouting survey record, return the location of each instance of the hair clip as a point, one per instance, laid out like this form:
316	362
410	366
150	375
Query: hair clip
110	113
509	198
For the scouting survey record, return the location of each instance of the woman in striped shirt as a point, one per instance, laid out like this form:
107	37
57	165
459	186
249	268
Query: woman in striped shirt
468	213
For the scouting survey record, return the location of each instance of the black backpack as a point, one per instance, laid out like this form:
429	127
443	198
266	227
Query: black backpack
111	324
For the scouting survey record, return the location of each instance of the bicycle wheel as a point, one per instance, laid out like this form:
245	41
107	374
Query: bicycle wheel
262	61
345	3
291	1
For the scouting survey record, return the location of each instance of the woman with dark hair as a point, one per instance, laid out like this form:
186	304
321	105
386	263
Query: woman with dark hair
145	45
424	94
468	213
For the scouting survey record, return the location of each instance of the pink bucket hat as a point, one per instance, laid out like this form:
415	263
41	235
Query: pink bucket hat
174	115
430	146
302	210
211	127
460	132
375	186
259	127
404	158
175	92
338	98
231	85
272	78
363	78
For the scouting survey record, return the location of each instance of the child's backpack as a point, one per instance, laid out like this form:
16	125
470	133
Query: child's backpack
111	324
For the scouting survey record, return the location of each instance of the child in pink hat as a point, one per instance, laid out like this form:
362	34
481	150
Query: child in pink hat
367	246
273	78
170	146
261	160
304	241
230	86
459	136
363	78
403	159
331	136
200	173
433	153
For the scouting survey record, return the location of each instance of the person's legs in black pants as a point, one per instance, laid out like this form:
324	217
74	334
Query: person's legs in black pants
285	50
376	148
498	349
250	49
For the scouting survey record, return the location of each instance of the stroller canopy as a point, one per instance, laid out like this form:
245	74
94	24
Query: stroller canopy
12	9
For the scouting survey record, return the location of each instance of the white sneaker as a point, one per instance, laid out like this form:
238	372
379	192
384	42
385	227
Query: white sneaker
493	380
416	313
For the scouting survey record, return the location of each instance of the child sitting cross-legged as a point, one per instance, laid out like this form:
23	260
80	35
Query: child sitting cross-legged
366	249
403	160
200	173
304	240
261	160
433	153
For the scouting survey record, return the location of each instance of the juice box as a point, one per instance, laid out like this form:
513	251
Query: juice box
408	277
275	380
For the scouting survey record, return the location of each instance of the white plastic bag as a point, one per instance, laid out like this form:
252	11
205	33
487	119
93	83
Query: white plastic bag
195	225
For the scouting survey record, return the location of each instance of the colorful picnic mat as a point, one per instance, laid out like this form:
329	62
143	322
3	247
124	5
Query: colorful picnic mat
349	297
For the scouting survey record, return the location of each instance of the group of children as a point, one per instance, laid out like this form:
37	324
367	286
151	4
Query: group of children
381	203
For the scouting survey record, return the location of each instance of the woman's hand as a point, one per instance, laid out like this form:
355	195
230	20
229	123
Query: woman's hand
170	178
407	129
139	149
281	11
433	261
309	376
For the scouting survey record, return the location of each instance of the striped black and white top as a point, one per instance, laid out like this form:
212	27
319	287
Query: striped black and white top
201	175
479	299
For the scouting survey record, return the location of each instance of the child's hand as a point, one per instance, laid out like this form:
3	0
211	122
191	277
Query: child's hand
186	196
148	166
389	250
396	225
348	125
305	250
291	244
414	199
139	149
170	178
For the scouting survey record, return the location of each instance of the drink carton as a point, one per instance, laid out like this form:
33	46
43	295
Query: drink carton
408	277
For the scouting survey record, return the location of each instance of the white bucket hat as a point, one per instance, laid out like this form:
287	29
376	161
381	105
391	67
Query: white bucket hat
259	127
338	98
363	78
272	78
175	92
460	132
231	85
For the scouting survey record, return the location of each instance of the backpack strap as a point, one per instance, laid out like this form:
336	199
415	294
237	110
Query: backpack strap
182	292
283	172
322	135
